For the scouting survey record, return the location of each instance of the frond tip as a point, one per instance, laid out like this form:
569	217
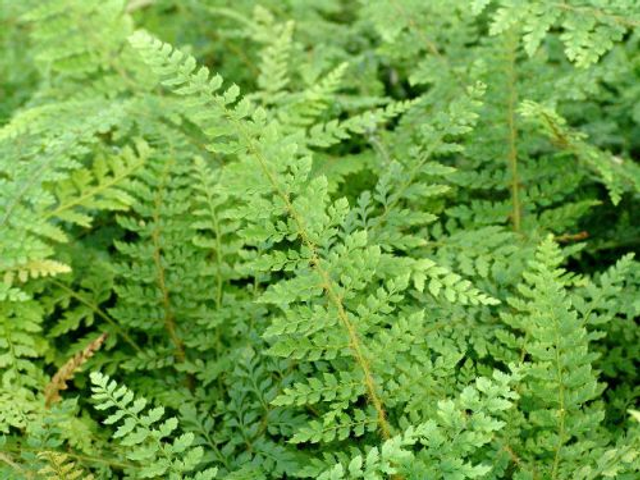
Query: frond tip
34	269
61	467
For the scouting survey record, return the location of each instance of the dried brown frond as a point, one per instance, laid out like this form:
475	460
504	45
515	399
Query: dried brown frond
68	370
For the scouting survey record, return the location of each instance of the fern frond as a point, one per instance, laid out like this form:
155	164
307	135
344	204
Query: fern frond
61	467
146	438
422	451
101	188
618	175
589	30
93	32
308	229
274	76
335	239
33	269
68	370
561	382
20	347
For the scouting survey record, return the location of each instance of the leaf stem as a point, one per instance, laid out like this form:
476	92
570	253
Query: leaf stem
512	138
98	311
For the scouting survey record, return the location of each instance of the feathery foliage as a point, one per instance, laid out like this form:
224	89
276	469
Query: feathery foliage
387	239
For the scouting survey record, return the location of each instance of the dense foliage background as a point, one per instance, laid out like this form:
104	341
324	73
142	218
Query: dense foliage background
319	239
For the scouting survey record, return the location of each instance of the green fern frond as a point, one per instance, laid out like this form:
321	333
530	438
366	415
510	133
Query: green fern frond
61	467
617	174
589	30
147	439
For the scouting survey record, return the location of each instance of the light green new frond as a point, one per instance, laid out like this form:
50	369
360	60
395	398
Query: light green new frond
440	281
442	447
560	379
274	75
465	426
21	378
33	269
205	101
11	294
589	29
303	109
26	198
61	467
103	187
78	38
379	463
145	434
76	198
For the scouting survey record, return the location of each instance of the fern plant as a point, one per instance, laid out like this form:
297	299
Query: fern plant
275	240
